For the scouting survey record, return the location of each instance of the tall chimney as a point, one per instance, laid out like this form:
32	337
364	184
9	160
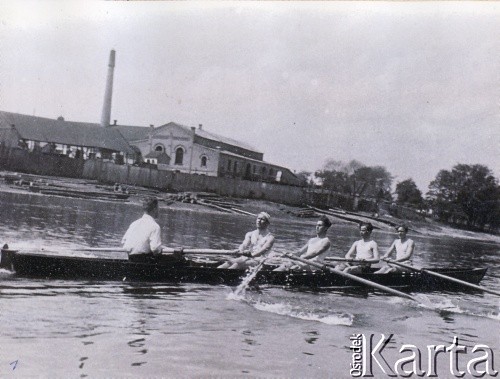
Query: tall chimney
106	107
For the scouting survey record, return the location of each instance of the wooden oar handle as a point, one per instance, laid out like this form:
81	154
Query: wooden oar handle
164	250
351	260
169	250
97	249
9	250
333	259
391	261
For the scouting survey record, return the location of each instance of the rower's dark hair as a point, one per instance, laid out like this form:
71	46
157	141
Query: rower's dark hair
369	226
326	221
149	204
404	226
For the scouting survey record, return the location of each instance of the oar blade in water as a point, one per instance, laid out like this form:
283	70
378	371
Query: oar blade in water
239	292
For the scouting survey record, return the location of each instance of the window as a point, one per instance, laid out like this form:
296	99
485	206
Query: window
179	156
203	161
254	169
229	165
278	176
159	147
235	167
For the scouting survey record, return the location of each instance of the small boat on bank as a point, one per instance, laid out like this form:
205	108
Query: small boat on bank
38	265
69	192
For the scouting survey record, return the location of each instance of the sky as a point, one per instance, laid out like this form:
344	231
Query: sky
411	86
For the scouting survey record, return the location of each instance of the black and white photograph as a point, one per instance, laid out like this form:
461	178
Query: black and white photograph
249	189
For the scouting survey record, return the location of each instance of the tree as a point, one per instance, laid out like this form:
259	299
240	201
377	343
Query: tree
305	177
334	180
470	191
373	182
339	166
356	180
408	193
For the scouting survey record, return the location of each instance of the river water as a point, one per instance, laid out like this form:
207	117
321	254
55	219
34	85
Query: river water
63	329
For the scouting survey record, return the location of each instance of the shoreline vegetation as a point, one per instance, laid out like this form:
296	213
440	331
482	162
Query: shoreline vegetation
209	203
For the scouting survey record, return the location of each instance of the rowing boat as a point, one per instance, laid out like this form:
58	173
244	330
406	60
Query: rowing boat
41	265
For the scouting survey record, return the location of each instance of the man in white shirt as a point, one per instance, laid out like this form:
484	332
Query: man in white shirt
143	237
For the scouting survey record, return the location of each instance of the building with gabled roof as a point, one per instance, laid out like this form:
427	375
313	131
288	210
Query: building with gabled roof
171	146
214	140
197	151
158	158
32	132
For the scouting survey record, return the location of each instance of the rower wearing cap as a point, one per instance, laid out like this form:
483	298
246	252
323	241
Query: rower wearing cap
256	244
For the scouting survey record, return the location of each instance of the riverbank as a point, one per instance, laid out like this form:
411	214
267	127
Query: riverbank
247	207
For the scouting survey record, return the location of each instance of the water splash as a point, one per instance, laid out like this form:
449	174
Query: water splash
425	301
4	272
239	292
493	315
344	319
454	306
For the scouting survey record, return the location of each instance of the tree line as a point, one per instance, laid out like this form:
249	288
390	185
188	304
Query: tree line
467	195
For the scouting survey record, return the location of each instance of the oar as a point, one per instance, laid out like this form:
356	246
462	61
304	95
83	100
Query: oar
165	250
352	277
169	250
97	249
251	276
446	277
351	260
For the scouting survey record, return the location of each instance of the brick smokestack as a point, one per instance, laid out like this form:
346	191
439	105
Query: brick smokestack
106	107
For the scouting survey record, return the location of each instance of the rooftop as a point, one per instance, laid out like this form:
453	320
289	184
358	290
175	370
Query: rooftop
65	132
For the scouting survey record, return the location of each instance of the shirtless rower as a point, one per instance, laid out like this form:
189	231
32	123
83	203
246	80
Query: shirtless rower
403	247
365	249
314	249
255	245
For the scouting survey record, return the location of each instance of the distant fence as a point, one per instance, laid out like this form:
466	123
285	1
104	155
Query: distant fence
21	160
16	159
109	172
39	163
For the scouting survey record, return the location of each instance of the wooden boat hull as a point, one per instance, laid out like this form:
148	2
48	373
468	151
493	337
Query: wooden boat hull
70	267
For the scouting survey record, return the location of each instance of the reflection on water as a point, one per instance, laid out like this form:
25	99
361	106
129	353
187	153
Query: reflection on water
120	329
312	337
154	292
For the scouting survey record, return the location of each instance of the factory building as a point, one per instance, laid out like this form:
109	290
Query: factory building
196	151
171	146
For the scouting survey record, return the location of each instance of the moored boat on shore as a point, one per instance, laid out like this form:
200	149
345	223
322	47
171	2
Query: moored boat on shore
79	193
